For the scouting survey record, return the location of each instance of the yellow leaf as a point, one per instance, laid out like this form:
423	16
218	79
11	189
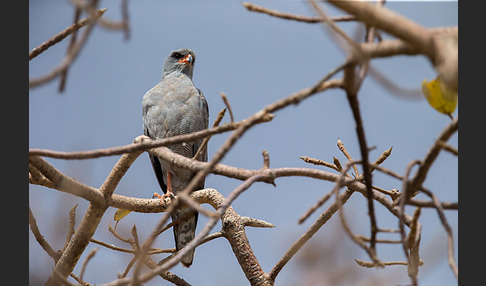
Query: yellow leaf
439	96
120	213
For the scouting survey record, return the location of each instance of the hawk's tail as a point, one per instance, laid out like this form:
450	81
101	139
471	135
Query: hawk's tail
184	231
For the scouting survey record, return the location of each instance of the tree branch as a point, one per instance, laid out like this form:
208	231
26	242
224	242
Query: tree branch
90	221
299	18
62	35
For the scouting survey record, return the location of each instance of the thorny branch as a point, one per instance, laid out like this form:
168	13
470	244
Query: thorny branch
439	45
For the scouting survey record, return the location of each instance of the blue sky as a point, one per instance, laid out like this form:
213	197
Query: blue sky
255	60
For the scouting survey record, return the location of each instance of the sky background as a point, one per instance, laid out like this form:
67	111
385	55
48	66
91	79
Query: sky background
255	60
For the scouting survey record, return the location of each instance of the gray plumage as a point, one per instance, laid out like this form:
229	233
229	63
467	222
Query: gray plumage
174	107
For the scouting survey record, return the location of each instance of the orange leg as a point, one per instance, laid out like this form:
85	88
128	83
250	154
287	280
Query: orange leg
169	184
169	192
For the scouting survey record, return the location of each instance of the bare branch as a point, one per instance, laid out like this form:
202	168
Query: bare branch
88	258
441	49
448	147
438	44
136	147
348	156
90	221
448	229
36	177
387	263
68	59
323	218
299	18
319	162
266	159
228	106
62	35
431	155
40	238
351	46
70	232
206	139
403	199
72	42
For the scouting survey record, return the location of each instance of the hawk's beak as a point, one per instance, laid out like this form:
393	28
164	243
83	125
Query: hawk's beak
187	59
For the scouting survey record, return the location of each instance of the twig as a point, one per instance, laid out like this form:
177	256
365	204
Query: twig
323	218
389	230
136	147
128	267
394	194
370	250
266	159
66	32
88	258
111	246
448	229
40	238
448	147
169	276
80	282
337	164
319	162
253	222
68	59
431	155
299	18
206	139
378	161
70	232
62	82
143	253
352	96
413	243
387	263
387	171
347	155
125	19
367	239
113	231
402	202
228	106
428	204
354	48
324	199
381	158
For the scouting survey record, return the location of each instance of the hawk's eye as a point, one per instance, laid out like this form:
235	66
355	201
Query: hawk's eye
177	55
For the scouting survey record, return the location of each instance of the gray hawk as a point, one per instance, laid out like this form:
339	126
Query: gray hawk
175	107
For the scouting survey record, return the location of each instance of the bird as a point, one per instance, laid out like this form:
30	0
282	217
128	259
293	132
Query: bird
175	106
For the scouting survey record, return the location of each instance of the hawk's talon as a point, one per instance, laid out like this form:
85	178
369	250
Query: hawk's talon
165	198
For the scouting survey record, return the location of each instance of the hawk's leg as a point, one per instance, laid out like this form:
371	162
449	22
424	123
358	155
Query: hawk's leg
169	194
